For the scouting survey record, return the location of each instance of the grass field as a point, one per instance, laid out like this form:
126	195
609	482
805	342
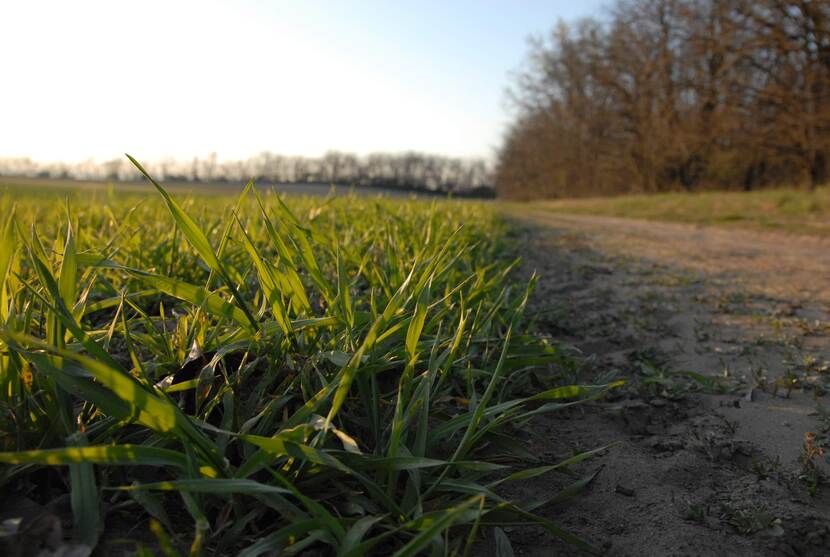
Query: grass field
17	185
247	374
793	211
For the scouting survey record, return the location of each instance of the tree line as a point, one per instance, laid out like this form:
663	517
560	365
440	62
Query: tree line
673	95
405	171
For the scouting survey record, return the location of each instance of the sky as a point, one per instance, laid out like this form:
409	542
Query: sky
181	78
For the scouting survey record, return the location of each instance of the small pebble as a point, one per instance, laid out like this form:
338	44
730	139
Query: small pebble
622	490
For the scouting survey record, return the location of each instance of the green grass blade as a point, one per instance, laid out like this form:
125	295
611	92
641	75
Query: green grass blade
84	498
416	324
197	240
216	486
67	275
99	454
212	302
8	247
145	406
433	525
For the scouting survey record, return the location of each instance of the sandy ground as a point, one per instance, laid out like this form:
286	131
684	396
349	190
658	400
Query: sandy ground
712	462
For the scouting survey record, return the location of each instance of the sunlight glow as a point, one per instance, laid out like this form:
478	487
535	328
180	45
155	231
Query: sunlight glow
186	78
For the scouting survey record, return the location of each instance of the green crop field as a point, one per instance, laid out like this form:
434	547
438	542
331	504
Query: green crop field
252	374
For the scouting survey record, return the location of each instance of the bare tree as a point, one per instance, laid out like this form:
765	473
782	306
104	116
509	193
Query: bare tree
674	94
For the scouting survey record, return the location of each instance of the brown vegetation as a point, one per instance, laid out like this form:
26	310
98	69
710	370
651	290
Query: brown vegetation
674	95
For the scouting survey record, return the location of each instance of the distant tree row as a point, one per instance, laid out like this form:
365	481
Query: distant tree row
673	95
407	171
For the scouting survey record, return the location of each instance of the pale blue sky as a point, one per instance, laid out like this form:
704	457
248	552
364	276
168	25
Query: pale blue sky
182	78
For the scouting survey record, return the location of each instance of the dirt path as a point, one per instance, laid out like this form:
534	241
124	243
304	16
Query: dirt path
724	339
794	267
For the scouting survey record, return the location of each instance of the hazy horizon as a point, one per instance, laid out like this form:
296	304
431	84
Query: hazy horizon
184	80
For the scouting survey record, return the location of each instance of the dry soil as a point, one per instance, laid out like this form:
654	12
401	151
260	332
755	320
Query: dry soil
723	338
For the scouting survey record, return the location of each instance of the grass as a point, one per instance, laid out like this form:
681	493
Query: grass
792	211
254	375
48	187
